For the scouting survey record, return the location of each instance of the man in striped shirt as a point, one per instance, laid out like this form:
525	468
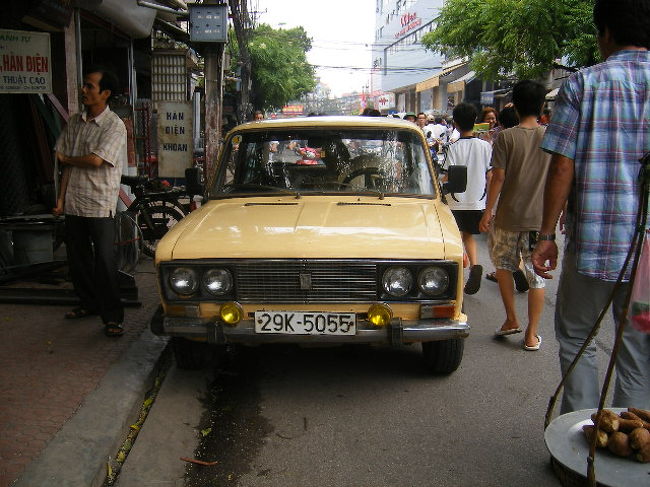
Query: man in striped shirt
92	152
599	130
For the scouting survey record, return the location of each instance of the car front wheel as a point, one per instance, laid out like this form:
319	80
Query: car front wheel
443	357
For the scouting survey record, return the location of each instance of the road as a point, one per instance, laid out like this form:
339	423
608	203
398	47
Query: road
362	416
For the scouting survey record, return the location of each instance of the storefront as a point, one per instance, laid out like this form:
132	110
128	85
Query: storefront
46	44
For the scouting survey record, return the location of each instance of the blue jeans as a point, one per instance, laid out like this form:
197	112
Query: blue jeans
580	299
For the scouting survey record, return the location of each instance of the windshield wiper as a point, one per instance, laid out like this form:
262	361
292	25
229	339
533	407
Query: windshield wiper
373	191
258	188
358	189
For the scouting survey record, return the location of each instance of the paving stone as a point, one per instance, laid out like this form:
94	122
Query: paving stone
48	365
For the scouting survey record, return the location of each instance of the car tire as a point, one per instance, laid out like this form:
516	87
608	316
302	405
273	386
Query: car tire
443	357
191	355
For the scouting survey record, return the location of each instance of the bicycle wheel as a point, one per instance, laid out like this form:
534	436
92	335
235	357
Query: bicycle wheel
154	222
128	239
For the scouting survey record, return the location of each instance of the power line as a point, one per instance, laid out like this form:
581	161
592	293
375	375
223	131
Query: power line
406	69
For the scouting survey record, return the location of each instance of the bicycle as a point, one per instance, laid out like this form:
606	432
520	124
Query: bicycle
147	218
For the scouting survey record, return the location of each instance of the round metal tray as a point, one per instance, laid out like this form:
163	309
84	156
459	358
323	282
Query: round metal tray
569	450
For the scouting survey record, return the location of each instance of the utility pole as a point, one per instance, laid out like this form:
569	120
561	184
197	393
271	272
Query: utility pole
214	60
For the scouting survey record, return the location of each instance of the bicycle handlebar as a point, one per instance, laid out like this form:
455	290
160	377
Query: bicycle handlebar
134	181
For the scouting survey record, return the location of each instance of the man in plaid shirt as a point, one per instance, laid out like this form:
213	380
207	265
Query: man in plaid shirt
92	152
599	130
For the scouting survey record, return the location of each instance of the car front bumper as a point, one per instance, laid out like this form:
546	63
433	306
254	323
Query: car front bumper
396	333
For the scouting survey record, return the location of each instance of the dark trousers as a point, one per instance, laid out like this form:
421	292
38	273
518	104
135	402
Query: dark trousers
93	269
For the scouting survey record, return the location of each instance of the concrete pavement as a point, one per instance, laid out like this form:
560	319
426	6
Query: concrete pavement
68	393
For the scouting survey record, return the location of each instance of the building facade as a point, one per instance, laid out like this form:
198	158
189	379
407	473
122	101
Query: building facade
403	71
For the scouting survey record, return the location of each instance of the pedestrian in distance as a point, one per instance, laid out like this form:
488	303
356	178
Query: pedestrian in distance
370	112
421	120
519	170
490	116
468	207
546	117
410	117
599	131
92	151
439	131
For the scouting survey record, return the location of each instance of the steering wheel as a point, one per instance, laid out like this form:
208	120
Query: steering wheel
371	174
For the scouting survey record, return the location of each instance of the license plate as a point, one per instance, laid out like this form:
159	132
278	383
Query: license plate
305	323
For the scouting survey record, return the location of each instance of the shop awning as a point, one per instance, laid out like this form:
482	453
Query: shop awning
460	83
434	81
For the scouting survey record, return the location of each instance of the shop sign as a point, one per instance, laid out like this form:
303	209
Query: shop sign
293	110
408	21
385	101
25	62
487	97
175	148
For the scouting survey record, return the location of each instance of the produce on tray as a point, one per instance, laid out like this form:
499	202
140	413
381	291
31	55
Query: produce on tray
625	435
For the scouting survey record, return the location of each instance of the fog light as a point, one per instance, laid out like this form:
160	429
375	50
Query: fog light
231	313
380	315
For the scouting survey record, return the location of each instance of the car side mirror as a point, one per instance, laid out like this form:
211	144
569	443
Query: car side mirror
456	180
193	184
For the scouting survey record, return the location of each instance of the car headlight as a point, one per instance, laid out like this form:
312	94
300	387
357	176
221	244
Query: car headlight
183	281
397	281
433	280
217	281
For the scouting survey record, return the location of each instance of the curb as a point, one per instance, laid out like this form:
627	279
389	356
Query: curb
78	453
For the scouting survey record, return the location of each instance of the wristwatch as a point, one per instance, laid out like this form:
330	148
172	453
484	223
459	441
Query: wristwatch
546	236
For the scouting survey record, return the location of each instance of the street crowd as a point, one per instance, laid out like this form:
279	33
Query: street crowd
525	174
529	172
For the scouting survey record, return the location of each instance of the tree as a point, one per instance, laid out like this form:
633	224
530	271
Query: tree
279	68
520	38
242	28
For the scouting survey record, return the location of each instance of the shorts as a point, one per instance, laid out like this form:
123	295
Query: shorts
507	248
468	220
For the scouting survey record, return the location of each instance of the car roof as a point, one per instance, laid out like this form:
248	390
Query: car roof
330	122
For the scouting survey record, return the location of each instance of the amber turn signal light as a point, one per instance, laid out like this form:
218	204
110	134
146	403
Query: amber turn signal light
380	314
231	313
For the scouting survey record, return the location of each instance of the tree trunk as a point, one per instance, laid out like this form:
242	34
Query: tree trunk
241	23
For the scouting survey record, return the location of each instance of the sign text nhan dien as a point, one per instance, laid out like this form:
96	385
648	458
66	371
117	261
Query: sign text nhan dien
175	148
25	63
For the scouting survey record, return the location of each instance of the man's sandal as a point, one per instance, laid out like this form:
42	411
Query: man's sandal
76	313
113	329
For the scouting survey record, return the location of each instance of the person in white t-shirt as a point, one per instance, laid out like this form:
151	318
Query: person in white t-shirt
438	129
468	207
452	133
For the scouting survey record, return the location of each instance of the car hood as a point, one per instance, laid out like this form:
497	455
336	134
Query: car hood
315	227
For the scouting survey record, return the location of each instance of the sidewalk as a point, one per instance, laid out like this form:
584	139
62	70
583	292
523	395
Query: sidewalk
67	392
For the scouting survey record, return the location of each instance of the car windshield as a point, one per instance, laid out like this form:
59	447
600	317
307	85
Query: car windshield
354	161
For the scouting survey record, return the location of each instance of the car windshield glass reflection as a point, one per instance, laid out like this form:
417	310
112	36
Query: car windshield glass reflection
308	161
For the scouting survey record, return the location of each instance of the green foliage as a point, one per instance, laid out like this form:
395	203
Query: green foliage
520	38
280	71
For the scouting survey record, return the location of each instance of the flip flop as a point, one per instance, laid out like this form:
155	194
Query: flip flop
534	348
113	329
492	276
502	333
76	313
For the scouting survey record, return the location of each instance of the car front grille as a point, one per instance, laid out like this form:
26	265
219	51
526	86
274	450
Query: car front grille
305	281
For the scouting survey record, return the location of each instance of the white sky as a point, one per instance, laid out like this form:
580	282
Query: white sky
342	33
